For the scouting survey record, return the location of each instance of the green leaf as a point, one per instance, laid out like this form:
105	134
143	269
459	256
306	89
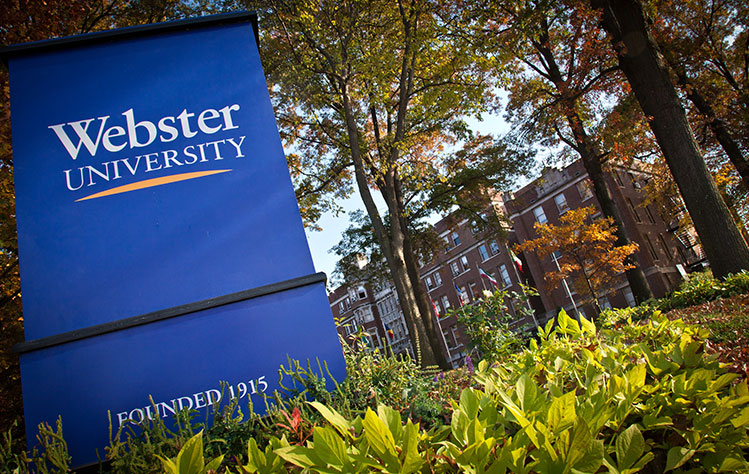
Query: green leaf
722	381
677	456
733	463
379	438
527	392
298	455
169	465
562	412
587	326
592	458
630	445
469	403
214	464
742	419
412	460
255	457
334	418
392	419
329	446
190	458
636	376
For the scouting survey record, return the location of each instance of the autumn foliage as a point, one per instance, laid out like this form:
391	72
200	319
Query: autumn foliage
589	259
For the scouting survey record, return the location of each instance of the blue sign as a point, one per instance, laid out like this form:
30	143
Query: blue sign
150	176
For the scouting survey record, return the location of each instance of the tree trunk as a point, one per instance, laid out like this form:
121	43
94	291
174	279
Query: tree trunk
635	276
391	244
718	127
432	327
647	74
591	156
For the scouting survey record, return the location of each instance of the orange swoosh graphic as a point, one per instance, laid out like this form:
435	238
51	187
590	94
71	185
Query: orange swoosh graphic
149	183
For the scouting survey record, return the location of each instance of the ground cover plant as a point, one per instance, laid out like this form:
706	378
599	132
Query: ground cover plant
626	397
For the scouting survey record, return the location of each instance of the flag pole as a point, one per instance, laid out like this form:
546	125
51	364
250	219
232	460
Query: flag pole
439	326
483	283
566	287
520	283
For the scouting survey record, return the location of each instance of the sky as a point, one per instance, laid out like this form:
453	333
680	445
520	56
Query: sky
320	242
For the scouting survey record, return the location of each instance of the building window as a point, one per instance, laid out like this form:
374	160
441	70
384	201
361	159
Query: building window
445	304
483	252
464	261
341	307
505	275
650	214
629	297
665	247
653	253
635	183
584	189
633	210
455	239
454	268
561	203
494	247
618	178
429	283
437	279
367	315
540	215
464	298
449	339
472	289
604	303
362	292
448	244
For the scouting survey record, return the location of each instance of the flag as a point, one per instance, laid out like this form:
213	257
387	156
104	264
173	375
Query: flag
488	277
388	331
434	305
462	296
516	259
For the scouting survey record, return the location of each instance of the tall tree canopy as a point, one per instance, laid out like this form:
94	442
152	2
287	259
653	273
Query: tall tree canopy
564	87
380	87
647	73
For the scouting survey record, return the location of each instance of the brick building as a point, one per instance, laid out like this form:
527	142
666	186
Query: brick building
453	276
559	190
376	312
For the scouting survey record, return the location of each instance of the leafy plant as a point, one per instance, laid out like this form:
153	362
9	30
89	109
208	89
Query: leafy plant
190	459
487	323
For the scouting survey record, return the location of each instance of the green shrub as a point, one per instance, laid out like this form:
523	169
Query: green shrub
613	317
643	398
702	287
487	323
636	398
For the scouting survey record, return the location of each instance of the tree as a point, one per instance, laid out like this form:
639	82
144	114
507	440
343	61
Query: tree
589	254
561	80
707	57
646	72
383	86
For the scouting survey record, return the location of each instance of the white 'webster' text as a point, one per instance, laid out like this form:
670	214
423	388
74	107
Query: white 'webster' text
141	134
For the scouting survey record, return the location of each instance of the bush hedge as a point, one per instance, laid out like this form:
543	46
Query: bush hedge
635	398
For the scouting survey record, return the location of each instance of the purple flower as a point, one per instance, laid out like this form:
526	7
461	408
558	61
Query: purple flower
469	363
